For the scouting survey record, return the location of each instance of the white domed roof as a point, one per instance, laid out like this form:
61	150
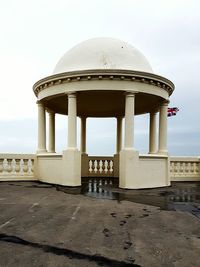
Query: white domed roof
102	53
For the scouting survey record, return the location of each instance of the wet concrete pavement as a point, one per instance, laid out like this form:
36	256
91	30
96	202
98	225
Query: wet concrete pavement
99	224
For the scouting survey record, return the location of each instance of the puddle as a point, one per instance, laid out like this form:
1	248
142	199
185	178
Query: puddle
180	196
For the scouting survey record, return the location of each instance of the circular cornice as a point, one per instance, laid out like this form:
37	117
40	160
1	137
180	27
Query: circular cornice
99	74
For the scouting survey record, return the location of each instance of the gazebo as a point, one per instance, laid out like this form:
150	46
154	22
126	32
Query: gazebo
103	77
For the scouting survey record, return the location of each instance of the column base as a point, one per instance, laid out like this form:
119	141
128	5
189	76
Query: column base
71	173
153	153
128	168
163	152
52	151
41	151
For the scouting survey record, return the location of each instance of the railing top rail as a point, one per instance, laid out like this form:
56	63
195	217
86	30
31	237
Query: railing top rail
185	159
17	156
49	155
149	156
100	158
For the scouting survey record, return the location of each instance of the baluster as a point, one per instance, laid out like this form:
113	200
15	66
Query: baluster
189	167
196	167
21	164
90	166
13	166
5	167
100	166
176	167
172	167
184	167
30	167
17	167
111	166
95	166
106	166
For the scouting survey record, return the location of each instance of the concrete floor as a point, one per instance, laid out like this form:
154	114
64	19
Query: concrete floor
99	225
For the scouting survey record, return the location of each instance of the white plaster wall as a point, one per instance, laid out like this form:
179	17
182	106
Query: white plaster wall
49	169
153	172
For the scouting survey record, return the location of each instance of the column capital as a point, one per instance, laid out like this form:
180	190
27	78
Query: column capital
154	111
83	117
50	111
130	94
119	117
165	103
39	103
72	95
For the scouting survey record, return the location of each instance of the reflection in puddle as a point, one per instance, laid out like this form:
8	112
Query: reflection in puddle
99	188
183	196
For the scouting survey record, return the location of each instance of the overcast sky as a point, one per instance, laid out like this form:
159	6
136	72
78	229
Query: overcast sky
34	35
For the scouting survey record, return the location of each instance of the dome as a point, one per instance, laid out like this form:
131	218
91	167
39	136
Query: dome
102	53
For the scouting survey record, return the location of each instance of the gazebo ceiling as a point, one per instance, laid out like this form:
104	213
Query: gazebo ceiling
103	103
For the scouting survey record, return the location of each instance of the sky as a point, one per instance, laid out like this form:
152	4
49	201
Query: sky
35	34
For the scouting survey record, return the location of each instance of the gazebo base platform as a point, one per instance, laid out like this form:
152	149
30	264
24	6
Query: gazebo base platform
134	171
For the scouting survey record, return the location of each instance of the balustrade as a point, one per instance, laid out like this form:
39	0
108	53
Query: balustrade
184	168
16	167
101	166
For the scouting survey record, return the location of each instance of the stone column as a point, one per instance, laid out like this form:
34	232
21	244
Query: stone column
83	135
51	147
128	156
118	146
72	127
129	120
152	133
119	134
41	129
163	128
71	160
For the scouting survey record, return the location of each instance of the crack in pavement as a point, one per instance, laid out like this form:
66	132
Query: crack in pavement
100	260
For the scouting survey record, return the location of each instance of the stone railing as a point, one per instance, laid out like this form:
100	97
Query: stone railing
185	168
16	167
101	166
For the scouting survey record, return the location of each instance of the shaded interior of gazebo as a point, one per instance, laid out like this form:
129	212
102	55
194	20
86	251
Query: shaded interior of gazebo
103	103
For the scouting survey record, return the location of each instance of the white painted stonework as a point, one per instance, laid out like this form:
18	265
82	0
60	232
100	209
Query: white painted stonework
17	167
103	53
102	77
